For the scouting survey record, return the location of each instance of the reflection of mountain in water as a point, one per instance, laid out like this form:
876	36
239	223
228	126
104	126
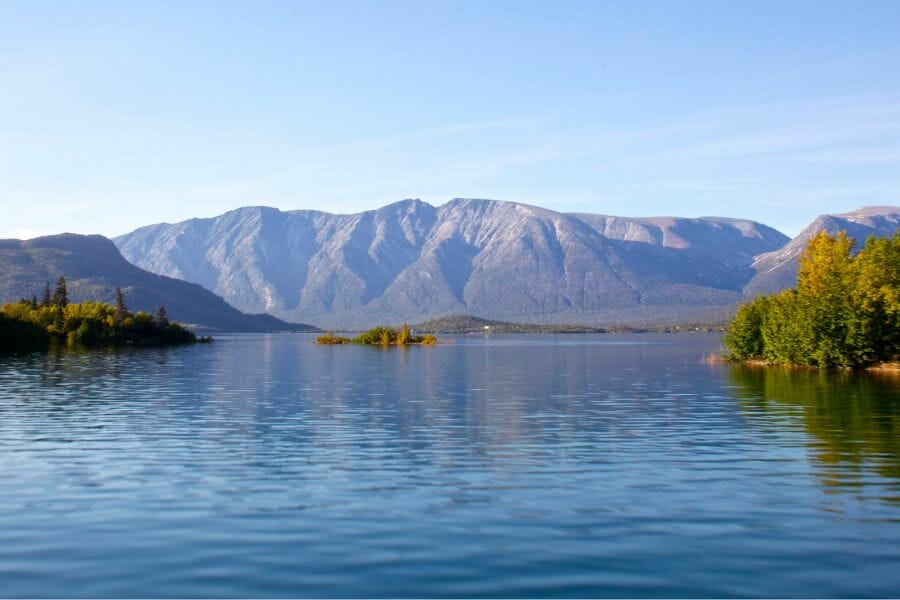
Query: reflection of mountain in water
854	417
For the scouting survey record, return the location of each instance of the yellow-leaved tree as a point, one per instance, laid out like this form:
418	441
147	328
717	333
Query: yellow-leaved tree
844	312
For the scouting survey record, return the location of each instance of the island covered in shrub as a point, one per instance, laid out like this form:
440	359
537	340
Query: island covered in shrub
844	312
380	336
33	324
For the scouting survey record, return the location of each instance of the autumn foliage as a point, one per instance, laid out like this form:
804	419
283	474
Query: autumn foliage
380	336
27	325
844	312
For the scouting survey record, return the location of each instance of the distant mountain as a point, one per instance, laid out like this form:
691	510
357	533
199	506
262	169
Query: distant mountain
411	261
93	268
457	324
777	270
465	324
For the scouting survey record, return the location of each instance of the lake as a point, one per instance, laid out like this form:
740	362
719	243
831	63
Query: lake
568	465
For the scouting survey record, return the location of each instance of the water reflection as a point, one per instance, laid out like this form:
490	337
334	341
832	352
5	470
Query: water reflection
854	418
503	466
482	398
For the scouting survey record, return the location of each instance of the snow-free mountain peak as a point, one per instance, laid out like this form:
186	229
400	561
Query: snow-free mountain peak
94	268
410	260
777	270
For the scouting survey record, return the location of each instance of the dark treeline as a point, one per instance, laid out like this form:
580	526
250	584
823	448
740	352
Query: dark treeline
844	312
32	324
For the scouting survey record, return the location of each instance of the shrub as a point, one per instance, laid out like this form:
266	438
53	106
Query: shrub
379	336
330	338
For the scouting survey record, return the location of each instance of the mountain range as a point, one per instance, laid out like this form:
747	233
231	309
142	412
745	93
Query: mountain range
777	270
94	268
410	261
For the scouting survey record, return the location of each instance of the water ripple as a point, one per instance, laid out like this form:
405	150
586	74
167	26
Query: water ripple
495	467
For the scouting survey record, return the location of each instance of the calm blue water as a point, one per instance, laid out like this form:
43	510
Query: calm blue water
502	466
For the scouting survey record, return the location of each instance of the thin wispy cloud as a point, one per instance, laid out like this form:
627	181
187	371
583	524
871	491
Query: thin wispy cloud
193	118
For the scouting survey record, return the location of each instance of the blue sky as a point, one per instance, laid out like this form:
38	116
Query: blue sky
121	114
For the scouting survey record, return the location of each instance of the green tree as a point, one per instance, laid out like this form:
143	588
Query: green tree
845	310
874	329
17	334
824	285
47	299
404	337
88	324
61	294
162	317
121	309
786	339
744	338
383	336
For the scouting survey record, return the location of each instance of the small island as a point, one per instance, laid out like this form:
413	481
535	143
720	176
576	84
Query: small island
32	324
844	312
380	336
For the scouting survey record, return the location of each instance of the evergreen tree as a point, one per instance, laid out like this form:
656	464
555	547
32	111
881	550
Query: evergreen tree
162	317
47	300
61	295
121	309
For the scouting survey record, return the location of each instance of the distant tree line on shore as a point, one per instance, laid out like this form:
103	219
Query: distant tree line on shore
844	312
32	324
380	336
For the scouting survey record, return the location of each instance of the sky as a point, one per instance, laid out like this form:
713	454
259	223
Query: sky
115	115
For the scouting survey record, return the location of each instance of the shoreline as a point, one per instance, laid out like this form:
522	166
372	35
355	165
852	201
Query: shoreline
889	368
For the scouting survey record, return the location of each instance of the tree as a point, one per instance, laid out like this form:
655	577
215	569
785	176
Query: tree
845	310
47	300
121	309
744	338
874	330
378	336
61	295
785	334
404	337
824	284
83	324
162	317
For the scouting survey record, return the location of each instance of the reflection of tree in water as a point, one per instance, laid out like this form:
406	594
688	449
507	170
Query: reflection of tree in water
854	416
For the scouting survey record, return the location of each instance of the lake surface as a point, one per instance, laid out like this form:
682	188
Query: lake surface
579	465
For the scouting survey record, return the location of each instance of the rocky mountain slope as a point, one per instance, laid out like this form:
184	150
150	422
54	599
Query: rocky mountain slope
93	268
777	270
501	260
